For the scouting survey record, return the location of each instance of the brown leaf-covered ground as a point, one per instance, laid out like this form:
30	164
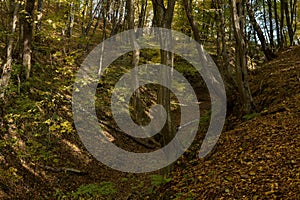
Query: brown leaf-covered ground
260	157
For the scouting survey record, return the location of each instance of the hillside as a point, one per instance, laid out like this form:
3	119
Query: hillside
42	157
259	158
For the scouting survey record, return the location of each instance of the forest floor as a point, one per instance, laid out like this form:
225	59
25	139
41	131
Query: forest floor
260	157
41	156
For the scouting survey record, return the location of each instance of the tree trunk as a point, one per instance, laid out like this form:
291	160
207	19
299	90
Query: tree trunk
117	17
142	16
28	32
267	32
290	15
188	10
6	72
282	35
268	52
71	18
105	8
288	22
241	62
294	15
163	17
277	25
39	15
137	109
93	14
84	16
271	23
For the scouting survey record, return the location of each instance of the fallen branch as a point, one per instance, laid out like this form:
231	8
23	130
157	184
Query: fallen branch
63	169
137	140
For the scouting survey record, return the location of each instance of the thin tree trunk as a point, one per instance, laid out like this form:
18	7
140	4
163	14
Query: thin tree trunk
71	19
291	16
188	10
271	23
92	17
39	15
282	36
105	8
6	72
135	62
288	21
268	53
142	16
294	15
97	23
241	62
267	32
163	17
28	32
277	25
84	16
226	68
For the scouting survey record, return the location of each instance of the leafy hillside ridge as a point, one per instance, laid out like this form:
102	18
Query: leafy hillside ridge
259	158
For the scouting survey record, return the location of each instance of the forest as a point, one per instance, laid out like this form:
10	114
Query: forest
150	99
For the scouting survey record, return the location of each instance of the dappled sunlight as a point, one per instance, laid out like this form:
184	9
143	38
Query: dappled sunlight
253	46
76	151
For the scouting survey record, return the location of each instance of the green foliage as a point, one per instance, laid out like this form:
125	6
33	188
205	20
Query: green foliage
184	67
250	116
90	191
139	186
149	56
157	180
10	175
205	118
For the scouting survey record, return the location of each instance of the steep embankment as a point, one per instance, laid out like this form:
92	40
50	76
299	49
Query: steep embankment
259	158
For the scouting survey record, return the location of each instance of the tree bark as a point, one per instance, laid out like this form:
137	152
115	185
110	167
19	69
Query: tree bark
267	32
142	16
28	32
6	72
163	17
39	15
188	10
71	18
271	23
282	35
241	54
277	24
268	52
137	109
290	15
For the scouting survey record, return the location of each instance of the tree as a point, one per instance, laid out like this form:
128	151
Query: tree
271	23
290	14
238	16
13	10
135	60
39	14
27	36
142	16
163	17
277	24
267	51
195	29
